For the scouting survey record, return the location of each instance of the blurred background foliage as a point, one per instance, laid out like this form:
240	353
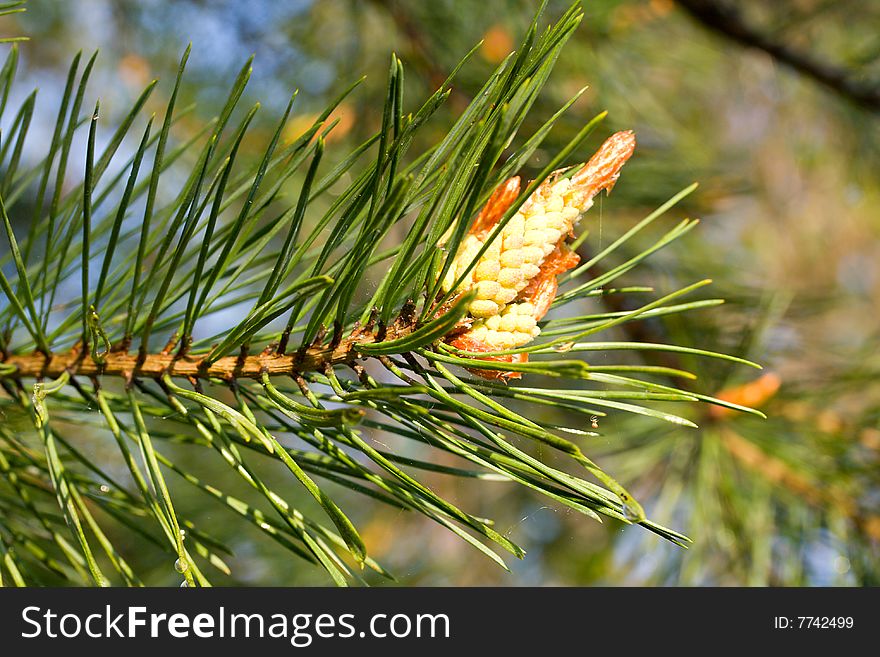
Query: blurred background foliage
789	194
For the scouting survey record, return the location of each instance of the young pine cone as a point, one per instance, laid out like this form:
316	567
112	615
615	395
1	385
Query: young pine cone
515	279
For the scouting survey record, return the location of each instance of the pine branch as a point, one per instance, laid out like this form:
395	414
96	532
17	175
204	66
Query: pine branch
192	366
339	331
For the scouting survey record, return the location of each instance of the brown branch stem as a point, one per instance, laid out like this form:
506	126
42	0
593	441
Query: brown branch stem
724	18
157	365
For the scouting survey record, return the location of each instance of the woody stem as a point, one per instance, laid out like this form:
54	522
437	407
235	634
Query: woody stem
156	365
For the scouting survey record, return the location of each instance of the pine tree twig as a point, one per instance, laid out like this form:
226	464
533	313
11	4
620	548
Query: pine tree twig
724	18
184	262
157	365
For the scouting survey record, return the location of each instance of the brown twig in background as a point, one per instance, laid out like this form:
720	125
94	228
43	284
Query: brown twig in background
778	472
724	18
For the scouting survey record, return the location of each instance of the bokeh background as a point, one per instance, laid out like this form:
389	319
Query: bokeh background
774	108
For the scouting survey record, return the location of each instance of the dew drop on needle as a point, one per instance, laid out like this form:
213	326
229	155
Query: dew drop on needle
629	513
